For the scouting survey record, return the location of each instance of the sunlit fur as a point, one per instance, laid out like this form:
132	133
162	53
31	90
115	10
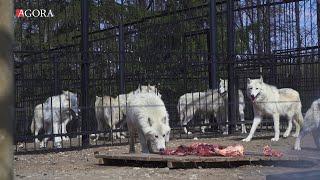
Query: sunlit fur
268	100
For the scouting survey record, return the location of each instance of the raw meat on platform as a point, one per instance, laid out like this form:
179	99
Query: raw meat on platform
203	149
267	151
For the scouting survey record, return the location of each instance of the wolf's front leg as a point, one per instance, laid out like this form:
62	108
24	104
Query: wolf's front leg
276	121
297	145
57	139
143	143
256	122
316	137
187	119
43	143
243	125
203	128
64	130
131	142
289	128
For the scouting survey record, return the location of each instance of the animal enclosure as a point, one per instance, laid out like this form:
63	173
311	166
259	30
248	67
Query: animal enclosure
110	47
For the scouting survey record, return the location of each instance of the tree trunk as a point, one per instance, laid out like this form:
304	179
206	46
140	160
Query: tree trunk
6	88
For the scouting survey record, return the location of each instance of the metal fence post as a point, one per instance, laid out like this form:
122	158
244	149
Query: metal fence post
56	76
84	70
230	58
213	45
121	52
318	22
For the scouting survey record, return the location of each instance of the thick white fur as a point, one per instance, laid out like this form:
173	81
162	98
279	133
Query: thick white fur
212	102
271	101
110	111
147	116
311	124
53	116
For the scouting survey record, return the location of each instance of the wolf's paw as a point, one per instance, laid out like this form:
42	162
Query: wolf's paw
246	139
225	133
93	135
244	131
20	145
96	138
275	139
189	133
295	135
286	134
297	148
43	145
65	138
57	145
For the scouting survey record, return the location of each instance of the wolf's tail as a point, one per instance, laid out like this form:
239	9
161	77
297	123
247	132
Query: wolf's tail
32	125
299	117
181	113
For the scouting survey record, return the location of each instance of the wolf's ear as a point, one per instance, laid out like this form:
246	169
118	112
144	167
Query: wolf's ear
261	79
139	87
67	97
67	94
221	79
149	121
248	80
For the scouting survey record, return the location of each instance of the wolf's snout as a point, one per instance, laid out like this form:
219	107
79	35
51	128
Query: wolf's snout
161	149
252	97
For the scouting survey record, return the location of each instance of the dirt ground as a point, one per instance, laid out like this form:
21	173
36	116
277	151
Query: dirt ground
82	164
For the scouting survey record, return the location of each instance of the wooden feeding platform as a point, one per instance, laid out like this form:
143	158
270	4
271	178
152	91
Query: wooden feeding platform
173	161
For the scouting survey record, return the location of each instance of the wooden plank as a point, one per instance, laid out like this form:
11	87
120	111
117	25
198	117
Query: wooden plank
188	159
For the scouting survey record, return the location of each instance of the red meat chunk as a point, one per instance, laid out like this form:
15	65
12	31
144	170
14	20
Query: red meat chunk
268	151
203	149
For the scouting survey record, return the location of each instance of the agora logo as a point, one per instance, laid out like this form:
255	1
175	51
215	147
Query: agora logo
43	13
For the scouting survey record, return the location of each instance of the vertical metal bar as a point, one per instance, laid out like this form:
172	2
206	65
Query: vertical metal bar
230	57
268	42
258	29
268	26
318	23
121	52
298	36
56	74
213	45
84	69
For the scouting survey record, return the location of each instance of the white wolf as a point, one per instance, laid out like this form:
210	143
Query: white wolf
110	111
271	101
210	101
53	116
147	115
311	124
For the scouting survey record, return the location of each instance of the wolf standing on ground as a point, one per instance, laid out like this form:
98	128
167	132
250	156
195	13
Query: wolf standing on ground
53	116
311	124
212	102
271	101
110	111
147	115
